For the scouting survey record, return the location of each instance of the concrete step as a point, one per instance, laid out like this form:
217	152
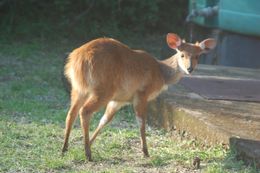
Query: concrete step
211	121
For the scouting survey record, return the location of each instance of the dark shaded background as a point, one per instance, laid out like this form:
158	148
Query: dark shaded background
87	19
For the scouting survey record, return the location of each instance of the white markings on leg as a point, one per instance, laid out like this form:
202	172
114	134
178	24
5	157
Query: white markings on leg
103	121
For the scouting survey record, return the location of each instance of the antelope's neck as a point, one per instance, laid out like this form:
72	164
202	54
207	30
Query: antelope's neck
170	70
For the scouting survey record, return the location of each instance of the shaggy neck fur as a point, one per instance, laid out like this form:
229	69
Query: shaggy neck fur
170	70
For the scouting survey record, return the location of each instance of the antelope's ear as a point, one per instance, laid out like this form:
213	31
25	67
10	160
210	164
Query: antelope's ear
208	44
173	40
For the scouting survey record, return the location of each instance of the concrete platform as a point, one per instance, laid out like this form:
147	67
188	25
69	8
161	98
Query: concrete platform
212	121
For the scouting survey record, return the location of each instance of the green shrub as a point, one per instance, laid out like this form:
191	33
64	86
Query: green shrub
89	18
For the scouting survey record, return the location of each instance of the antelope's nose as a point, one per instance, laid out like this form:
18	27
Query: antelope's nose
190	69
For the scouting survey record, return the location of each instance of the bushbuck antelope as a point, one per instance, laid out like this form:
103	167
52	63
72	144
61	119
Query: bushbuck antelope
105	72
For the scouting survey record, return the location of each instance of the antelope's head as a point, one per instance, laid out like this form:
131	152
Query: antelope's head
188	53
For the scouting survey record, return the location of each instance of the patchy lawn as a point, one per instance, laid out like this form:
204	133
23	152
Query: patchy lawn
33	107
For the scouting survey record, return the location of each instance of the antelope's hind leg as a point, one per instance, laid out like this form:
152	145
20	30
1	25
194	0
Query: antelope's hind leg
76	103
111	109
92	105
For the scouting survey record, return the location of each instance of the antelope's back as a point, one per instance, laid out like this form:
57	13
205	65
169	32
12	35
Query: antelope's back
108	65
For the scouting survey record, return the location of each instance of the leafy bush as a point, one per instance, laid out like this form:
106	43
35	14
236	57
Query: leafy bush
89	18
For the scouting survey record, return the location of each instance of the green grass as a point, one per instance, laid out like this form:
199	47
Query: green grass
33	106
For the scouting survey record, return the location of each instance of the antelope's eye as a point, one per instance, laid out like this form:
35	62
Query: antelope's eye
182	55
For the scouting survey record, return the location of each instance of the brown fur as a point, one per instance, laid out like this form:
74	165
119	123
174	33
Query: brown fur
105	72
